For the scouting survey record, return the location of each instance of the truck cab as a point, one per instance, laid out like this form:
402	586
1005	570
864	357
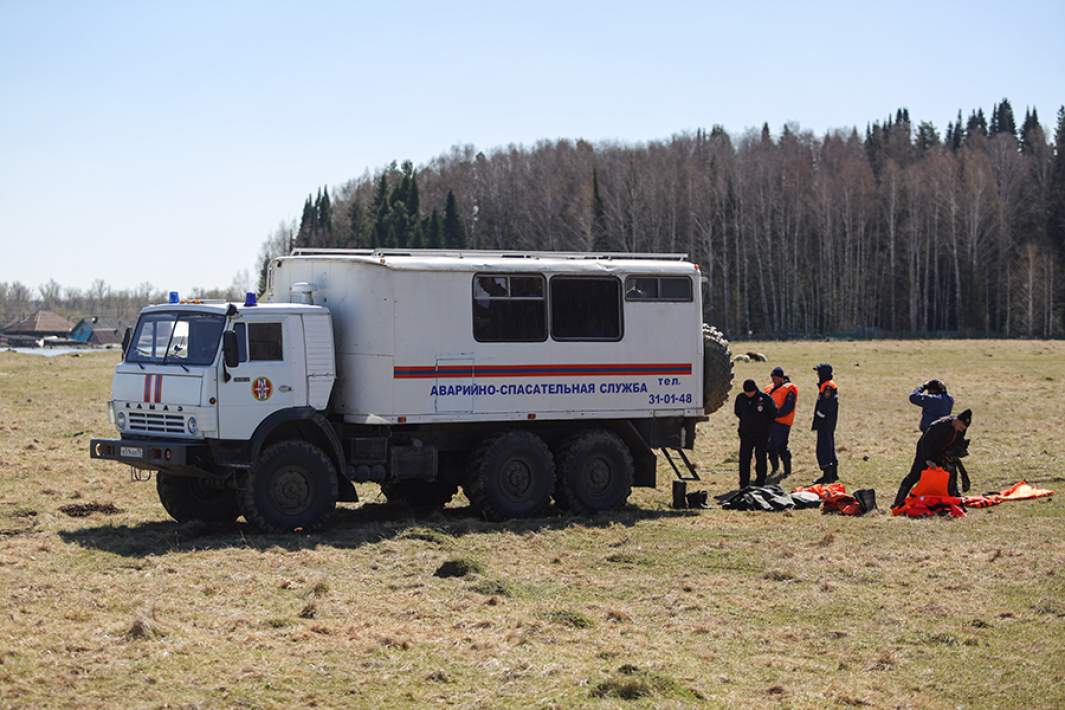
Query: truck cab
201	386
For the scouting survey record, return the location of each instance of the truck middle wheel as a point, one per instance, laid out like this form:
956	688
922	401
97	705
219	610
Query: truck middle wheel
422	497
595	472
510	475
292	485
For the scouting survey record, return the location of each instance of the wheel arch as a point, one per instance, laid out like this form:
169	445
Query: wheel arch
306	424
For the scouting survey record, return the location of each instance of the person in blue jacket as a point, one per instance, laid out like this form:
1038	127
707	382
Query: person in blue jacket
934	401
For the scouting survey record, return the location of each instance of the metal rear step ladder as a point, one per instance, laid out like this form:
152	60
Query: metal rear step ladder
693	474
680	486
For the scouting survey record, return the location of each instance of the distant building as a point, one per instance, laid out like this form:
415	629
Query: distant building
99	331
42	324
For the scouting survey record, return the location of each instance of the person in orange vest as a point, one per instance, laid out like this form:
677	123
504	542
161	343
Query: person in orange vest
826	413
932	455
785	396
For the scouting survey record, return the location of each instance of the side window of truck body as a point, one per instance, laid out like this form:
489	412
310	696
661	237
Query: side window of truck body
586	308
509	308
658	288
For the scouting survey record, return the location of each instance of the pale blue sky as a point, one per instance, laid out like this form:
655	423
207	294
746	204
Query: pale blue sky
163	141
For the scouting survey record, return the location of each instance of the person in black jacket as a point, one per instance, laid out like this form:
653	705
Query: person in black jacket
826	412
934	400
934	448
756	412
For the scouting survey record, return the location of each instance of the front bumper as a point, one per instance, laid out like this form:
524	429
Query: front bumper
156	454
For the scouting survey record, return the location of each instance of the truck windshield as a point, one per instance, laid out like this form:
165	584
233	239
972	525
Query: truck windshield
180	338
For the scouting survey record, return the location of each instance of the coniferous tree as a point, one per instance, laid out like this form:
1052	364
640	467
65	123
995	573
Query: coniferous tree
412	198
1031	131
959	135
1056	208
1002	120
874	145
927	136
434	234
303	236
357	227
324	221
454	231
380	213
397	226
264	267
977	123
416	236
380	198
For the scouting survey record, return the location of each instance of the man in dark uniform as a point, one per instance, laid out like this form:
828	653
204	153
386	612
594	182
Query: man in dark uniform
826	412
934	450
755	411
934	400
785	396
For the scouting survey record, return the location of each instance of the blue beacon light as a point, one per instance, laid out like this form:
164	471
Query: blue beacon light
249	298
174	297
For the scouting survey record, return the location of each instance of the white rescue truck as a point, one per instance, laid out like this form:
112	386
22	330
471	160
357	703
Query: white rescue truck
519	376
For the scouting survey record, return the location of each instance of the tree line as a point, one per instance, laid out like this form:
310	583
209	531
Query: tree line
17	300
894	230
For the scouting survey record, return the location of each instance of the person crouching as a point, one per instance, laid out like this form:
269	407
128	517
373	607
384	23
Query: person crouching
756	412
934	454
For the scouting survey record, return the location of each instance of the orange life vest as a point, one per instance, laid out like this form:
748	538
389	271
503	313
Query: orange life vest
779	395
825	385
933	482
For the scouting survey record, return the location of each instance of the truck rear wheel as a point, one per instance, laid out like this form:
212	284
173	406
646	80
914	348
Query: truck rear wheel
717	369
292	485
595	472
420	496
188	499
510	475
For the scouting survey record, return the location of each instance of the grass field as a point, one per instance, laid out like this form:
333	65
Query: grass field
646	607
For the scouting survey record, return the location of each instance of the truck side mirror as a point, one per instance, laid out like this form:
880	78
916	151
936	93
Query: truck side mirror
125	342
229	348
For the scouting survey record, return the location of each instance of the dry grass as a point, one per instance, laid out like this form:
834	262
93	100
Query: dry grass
645	608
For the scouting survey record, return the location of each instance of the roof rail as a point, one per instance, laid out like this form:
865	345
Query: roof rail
473	253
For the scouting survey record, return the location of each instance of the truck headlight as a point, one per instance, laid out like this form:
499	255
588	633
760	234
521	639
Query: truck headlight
192	425
120	420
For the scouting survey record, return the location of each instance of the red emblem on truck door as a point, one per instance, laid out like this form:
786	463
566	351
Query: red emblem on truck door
261	388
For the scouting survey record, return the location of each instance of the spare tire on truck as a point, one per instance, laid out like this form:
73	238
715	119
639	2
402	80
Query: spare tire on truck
717	369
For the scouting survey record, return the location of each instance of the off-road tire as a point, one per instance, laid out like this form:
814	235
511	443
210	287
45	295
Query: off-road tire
510	475
717	369
186	499
595	472
422	497
292	485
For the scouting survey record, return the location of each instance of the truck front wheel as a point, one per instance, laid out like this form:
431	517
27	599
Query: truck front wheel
595	472
510	475
188	499
292	485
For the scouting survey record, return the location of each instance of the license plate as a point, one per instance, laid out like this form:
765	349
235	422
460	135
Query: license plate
132	451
